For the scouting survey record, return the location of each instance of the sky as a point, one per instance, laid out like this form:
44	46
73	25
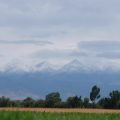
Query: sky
59	31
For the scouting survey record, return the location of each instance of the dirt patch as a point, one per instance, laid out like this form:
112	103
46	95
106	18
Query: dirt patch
61	110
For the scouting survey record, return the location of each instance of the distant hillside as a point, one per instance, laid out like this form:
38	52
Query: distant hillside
71	79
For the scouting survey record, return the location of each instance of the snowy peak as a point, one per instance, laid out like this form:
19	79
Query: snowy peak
43	66
75	63
73	66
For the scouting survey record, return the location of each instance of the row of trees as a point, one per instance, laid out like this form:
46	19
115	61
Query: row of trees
53	100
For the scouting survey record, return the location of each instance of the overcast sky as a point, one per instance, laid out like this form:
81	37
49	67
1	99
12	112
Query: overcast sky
59	31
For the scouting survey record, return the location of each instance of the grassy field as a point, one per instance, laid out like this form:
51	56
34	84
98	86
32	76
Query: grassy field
19	115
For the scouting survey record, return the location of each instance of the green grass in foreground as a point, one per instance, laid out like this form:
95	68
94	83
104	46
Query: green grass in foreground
56	116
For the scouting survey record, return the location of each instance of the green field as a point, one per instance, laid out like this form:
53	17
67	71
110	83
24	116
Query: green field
56	116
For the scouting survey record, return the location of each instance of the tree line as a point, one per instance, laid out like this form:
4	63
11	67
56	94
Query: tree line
53	100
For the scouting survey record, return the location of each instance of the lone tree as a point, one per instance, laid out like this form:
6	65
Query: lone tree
94	94
52	99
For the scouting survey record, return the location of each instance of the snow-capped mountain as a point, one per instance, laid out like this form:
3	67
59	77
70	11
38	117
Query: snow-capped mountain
75	66
22	67
41	78
72	66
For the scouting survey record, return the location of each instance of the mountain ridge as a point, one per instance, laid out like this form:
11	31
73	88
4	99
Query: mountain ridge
72	66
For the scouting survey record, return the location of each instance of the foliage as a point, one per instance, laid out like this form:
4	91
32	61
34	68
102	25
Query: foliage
112	102
28	102
74	102
53	100
94	94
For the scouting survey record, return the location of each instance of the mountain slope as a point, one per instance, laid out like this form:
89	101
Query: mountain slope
71	79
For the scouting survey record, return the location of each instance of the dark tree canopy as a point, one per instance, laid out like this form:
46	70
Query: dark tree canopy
74	101
95	93
28	102
52	99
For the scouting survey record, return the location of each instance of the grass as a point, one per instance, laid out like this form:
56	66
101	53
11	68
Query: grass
5	115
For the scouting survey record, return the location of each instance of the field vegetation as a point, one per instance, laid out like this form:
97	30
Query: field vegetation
17	115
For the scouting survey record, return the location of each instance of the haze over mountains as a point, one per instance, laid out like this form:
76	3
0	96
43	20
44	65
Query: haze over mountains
73	78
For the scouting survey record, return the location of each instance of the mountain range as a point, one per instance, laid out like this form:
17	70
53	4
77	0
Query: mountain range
18	81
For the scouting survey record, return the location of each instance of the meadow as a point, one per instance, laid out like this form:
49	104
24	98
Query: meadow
25	115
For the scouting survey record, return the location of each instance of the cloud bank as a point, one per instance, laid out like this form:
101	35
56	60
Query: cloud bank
59	31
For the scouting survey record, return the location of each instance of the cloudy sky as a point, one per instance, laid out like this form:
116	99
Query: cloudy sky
58	31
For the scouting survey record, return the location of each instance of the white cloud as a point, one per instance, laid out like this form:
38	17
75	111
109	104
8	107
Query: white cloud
64	23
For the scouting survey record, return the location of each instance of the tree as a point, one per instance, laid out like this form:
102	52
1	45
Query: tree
61	105
74	102
52	99
113	102
16	103
105	103
40	103
115	99
94	94
86	102
4	101
28	102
